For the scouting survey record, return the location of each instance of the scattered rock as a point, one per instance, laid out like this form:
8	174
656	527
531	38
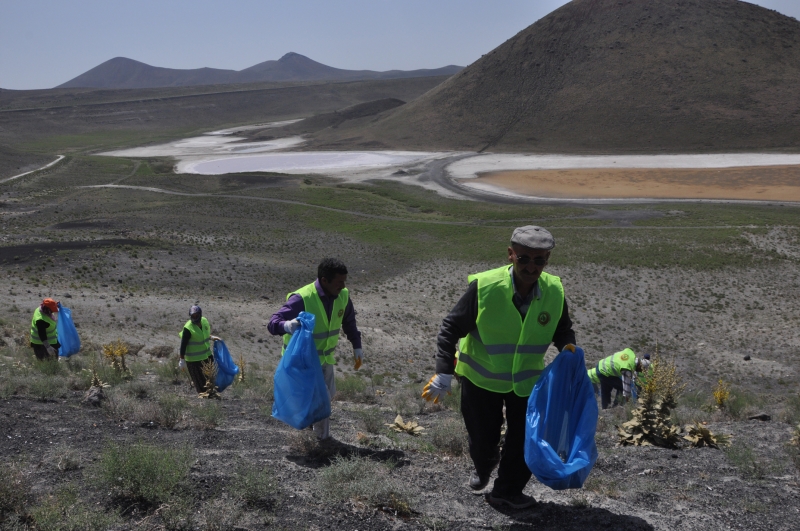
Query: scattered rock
760	416
162	351
67	296
265	297
747	357
94	396
134	348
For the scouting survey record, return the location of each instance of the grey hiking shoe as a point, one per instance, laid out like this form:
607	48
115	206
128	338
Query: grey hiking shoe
478	482
515	501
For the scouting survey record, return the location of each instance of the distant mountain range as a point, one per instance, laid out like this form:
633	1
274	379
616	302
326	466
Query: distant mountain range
124	73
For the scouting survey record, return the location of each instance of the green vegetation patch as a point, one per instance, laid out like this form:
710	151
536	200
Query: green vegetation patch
142	472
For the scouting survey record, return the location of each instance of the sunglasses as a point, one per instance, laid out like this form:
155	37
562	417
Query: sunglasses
537	260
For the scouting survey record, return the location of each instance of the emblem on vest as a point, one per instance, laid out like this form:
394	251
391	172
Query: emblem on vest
341	312
624	357
543	318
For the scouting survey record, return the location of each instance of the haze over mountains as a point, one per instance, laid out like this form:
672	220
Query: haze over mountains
615	75
124	73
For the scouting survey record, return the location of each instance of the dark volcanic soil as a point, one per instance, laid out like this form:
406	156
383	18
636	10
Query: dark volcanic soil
629	489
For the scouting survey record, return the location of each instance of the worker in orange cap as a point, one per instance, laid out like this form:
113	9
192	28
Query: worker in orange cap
44	335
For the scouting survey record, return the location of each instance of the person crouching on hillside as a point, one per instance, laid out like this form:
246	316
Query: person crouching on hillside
196	347
329	300
616	373
44	332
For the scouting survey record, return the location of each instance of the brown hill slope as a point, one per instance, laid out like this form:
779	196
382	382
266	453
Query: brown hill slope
617	75
124	73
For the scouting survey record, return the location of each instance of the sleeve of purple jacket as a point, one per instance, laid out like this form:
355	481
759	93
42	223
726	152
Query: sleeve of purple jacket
290	310
349	326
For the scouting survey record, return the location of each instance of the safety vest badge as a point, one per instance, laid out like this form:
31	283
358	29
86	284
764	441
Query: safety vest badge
341	312
543	318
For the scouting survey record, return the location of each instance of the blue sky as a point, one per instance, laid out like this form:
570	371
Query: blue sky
44	43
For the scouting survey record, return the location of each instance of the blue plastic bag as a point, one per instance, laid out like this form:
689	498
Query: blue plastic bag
67	333
301	397
226	368
561	422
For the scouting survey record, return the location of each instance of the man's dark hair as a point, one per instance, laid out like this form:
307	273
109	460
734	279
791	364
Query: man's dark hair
329	268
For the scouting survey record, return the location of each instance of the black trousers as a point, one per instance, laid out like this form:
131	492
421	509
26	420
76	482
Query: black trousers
195	369
607	383
483	416
40	351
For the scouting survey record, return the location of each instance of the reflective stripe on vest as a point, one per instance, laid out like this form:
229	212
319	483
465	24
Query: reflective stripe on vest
592	373
52	330
326	334
624	360
506	353
199	346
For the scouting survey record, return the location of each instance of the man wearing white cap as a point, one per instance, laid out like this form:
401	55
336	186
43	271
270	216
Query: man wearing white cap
505	323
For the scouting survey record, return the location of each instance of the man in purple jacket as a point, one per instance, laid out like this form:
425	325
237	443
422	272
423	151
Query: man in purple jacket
329	300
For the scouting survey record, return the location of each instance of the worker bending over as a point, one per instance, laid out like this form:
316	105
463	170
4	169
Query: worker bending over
616	373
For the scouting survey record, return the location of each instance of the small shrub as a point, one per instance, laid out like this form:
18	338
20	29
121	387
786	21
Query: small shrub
791	411
171	409
14	491
743	458
358	478
742	403
722	393
138	390
651	422
221	515
47	388
372	420
352	388
49	366
256	486
177	514
168	372
207	415
142	472
66	459
449	437
63	511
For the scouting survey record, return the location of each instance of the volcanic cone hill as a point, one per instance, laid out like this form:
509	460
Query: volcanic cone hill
613	76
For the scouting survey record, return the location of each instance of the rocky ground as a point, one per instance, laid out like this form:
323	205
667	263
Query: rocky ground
705	287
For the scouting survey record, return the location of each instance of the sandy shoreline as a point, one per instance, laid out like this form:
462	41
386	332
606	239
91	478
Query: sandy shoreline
766	183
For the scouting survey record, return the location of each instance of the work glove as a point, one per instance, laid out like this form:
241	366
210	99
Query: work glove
572	348
358	357
182	364
290	327
437	387
215	338
51	351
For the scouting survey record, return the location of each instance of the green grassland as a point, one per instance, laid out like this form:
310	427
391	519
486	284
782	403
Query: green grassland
407	222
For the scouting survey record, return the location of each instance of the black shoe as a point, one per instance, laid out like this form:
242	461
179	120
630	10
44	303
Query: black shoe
477	481
516	501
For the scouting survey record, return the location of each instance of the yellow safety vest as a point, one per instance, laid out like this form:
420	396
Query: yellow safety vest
326	334
505	353
593	375
624	360
52	330
199	347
